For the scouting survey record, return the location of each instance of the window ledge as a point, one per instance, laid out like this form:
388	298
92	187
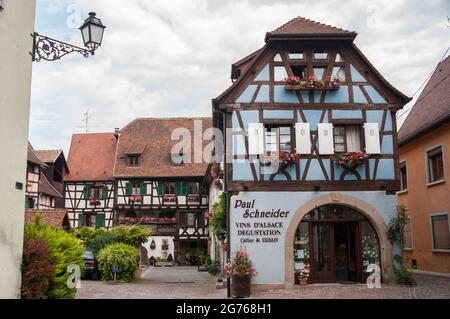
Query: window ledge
441	250
408	249
405	191
442	181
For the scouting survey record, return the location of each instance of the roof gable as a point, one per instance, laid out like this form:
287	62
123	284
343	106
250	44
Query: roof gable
91	157
150	138
432	108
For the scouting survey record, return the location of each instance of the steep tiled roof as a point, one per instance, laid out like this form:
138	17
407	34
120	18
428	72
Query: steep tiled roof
432	107
48	156
152	137
304	27
54	217
32	157
46	188
91	157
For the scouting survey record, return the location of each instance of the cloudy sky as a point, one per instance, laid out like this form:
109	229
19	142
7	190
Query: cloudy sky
170	58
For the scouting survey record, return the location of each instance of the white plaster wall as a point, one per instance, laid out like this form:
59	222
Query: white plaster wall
269	258
16	25
158	252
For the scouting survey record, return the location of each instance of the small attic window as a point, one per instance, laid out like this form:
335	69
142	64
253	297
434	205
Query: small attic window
133	160
320	55
177	158
296	55
299	70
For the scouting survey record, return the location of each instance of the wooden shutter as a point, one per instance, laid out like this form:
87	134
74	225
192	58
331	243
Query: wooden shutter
80	220
184	188
302	138
105	192
143	188
255	138
161	188
86	192
372	137
100	220
127	189
326	139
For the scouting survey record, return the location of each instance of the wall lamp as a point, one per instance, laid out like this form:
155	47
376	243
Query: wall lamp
48	49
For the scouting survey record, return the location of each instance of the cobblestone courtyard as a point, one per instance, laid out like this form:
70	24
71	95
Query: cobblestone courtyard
188	283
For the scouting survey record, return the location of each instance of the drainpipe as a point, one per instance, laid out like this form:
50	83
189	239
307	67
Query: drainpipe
225	188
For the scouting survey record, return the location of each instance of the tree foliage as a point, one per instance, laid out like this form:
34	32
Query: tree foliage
37	268
65	250
218	218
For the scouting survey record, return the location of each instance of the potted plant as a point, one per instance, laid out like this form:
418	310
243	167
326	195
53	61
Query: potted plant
296	83
241	272
188	258
94	201
216	171
170	198
193	198
135	199
350	160
153	245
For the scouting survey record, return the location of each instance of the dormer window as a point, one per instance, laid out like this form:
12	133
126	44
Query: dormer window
177	158
133	160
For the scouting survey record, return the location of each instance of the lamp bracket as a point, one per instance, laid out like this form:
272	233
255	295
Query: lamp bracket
50	49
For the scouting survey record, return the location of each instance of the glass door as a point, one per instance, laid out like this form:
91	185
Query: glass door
324	266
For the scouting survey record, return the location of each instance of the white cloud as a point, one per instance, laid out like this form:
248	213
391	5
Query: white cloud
170	58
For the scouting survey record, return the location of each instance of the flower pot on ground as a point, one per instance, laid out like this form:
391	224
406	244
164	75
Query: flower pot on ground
241	286
241	272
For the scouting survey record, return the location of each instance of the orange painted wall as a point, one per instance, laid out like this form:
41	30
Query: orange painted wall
422	200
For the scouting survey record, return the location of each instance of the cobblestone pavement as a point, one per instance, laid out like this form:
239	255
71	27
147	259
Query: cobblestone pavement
188	283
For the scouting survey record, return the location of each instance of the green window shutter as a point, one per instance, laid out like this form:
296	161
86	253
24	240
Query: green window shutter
161	188
143	188
178	188
127	189
27	203
105	192
86	192
201	189
184	187
80	220
100	220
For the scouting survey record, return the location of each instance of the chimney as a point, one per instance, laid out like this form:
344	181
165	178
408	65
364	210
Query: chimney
117	132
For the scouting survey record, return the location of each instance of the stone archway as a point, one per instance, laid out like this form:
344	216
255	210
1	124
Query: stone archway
363	208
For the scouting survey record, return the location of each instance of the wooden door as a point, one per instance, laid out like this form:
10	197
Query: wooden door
323	253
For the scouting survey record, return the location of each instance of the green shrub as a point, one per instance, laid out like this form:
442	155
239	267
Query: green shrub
218	218
404	277
124	256
37	268
84	233
100	240
214	268
131	235
65	250
170	258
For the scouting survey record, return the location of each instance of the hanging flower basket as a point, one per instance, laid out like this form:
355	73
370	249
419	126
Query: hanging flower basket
351	160
296	83
153	245
216	171
135	199
193	198
170	198
94	201
165	246
218	184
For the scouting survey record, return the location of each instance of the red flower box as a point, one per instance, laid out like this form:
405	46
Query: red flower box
135	199
296	83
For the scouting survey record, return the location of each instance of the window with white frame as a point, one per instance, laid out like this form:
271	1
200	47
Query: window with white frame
440	231
407	235
278	139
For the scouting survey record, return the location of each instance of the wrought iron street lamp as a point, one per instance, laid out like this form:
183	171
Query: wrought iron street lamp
48	49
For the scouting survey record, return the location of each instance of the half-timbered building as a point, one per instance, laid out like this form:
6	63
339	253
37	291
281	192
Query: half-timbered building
313	164
161	189
89	187
40	192
55	171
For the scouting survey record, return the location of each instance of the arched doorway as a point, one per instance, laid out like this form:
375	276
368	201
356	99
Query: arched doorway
335	243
